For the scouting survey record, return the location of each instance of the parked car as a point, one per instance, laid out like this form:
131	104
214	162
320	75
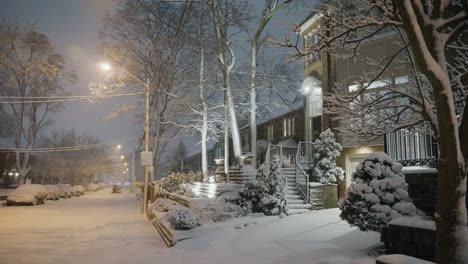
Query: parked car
92	187
65	190
101	185
28	194
80	188
53	192
116	189
75	191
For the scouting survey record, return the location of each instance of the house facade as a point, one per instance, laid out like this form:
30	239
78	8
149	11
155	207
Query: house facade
337	72
286	129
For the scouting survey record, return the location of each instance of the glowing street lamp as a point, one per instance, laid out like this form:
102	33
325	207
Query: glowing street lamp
122	157
105	66
125	163
119	146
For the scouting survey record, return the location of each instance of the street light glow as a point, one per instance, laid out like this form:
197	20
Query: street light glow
126	163
106	66
122	157
119	146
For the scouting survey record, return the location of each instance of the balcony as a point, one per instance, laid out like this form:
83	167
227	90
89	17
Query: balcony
411	148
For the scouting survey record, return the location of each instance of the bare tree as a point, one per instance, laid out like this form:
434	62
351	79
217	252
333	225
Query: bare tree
229	17
72	158
269	10
144	41
29	68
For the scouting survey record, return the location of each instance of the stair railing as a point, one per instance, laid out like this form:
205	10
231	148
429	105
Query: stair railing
304	154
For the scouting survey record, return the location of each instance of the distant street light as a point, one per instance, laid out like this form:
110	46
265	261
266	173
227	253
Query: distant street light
122	157
119	146
125	163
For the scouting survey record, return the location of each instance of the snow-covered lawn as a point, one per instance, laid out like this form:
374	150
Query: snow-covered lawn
106	228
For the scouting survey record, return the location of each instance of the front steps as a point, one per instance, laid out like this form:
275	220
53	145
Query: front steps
295	202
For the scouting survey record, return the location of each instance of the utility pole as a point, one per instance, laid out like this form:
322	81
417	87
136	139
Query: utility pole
145	184
133	170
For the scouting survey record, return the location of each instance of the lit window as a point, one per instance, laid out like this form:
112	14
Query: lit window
288	127
270	132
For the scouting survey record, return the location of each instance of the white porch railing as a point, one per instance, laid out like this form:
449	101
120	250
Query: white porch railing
304	154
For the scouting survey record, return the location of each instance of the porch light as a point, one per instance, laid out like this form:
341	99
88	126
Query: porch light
310	85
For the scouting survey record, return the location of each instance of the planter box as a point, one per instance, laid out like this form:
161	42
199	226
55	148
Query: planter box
400	259
413	236
323	196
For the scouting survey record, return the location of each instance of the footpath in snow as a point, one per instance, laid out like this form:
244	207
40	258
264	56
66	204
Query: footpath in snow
106	228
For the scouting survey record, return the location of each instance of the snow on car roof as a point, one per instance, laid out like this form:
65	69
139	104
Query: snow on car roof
28	188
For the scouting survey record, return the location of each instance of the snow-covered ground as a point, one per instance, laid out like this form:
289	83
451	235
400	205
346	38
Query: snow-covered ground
106	228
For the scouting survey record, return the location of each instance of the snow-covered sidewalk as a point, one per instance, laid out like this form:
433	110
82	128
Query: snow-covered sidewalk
315	237
106	228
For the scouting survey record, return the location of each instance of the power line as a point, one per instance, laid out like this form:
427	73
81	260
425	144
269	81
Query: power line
70	148
54	99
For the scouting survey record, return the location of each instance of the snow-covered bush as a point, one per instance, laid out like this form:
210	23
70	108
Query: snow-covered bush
378	194
173	182
220	210
268	193
165	205
183	218
326	152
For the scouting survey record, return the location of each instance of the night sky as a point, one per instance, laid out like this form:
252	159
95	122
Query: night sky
73	26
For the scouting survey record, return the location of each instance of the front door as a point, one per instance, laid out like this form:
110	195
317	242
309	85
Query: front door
352	160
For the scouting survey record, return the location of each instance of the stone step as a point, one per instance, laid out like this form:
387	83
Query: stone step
295	201
297	211
288	187
298	206
293	196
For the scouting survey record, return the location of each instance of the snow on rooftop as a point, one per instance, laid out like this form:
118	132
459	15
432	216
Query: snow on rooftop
196	149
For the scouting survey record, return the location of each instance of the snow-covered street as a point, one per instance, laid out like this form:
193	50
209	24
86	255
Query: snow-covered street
106	228
95	228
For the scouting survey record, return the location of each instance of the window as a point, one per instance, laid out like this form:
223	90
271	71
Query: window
289	127
270	135
315	102
312	39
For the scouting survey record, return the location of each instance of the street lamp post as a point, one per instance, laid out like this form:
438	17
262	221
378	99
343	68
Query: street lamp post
145	184
107	67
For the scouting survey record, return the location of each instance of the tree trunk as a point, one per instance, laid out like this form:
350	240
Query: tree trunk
236	144
450	216
204	132
253	105
222	46
226	146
